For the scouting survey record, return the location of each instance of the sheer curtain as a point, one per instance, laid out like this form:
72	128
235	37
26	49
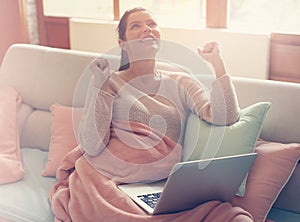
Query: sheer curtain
31	10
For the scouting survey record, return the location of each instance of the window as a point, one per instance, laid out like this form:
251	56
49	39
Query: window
91	9
172	13
265	15
248	15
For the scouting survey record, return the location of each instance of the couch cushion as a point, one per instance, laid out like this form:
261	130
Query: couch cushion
282	123
270	172
27	199
36	131
289	196
42	76
204	140
64	124
10	160
278	215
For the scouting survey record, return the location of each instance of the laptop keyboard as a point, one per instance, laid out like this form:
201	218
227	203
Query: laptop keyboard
150	199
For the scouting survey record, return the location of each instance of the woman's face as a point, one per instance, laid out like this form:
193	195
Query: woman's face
141	25
142	36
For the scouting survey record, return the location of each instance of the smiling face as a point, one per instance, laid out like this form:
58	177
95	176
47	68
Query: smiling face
141	37
141	25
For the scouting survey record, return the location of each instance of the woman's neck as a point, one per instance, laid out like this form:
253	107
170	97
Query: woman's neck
144	67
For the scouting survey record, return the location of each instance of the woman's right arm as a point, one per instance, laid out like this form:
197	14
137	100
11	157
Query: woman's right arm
94	126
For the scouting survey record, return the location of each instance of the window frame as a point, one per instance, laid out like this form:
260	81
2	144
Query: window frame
216	13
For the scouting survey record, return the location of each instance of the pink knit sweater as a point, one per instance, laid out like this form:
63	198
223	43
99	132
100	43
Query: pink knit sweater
159	104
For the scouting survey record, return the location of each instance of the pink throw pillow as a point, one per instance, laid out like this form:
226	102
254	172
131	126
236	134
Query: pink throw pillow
64	124
11	168
271	170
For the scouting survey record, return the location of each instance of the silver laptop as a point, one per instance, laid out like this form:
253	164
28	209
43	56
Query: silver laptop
192	183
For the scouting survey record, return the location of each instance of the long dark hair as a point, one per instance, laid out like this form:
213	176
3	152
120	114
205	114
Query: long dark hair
122	30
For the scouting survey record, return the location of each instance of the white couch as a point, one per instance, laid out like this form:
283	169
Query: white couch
44	76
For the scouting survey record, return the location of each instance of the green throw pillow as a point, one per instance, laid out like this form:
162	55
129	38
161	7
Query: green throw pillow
204	140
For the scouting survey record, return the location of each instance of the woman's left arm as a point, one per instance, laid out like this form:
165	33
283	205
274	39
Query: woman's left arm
221	107
211	53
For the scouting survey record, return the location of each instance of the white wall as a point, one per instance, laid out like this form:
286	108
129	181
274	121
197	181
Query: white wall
246	55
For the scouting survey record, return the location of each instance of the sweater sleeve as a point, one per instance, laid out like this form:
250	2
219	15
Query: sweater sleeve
220	107
94	126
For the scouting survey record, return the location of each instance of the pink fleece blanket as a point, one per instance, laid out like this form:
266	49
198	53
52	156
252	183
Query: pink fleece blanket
82	193
11	168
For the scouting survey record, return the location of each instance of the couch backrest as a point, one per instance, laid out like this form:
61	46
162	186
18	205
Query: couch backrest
44	76
282	122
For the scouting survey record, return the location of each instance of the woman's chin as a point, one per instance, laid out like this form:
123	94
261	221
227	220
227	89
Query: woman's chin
145	53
